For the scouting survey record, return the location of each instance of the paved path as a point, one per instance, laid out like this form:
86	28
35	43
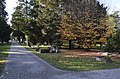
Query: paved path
22	64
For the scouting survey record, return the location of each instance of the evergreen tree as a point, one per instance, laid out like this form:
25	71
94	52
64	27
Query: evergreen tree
48	20
5	29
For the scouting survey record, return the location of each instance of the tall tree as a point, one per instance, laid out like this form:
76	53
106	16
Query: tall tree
18	21
85	22
113	43
4	27
48	19
42	19
21	19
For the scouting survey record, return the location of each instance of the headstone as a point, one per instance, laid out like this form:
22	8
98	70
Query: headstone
100	58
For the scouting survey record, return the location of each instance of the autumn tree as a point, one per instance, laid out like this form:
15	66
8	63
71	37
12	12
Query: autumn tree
85	22
112	43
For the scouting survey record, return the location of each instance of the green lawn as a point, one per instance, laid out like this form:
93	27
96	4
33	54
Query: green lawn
4	49
76	63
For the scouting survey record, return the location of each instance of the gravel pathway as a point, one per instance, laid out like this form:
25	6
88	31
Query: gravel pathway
22	64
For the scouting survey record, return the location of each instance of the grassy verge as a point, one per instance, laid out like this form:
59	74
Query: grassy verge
75	63
4	49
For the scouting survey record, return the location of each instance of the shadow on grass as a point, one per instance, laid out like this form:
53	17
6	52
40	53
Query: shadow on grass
81	63
4	49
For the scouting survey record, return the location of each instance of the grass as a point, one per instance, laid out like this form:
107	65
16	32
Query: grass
76	63
4	49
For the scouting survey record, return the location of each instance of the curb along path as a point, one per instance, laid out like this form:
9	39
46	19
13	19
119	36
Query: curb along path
22	64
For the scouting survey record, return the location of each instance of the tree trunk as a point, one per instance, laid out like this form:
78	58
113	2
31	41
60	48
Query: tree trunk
78	47
70	44
101	46
27	40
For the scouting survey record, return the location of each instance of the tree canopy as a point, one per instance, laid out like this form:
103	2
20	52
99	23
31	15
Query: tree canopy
83	23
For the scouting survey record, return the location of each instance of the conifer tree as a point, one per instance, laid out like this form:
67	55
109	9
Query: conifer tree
5	29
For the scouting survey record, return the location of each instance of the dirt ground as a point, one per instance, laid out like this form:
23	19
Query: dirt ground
79	53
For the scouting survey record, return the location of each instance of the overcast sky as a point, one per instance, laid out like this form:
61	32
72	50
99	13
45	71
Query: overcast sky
10	5
113	5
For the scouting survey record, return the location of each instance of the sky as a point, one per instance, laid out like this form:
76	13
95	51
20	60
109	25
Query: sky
113	5
10	5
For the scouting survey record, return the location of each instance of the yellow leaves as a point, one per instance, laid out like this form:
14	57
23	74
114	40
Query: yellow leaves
88	40
65	17
102	39
69	36
109	32
93	37
88	30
